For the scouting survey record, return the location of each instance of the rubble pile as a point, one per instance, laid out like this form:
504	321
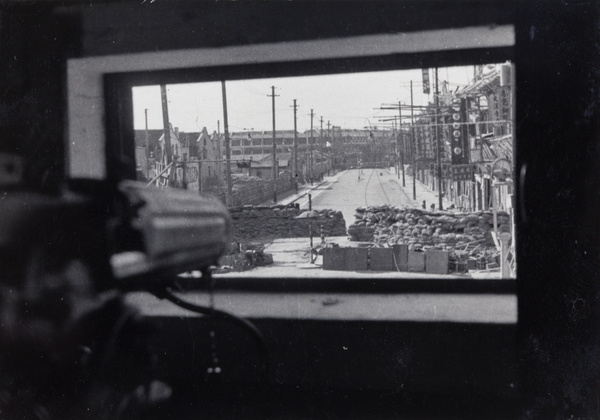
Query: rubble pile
244	257
387	225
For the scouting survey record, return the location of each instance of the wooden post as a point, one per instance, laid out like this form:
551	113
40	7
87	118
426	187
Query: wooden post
166	126
504	265
228	199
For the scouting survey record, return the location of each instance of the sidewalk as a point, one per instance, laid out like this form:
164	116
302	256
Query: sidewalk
423	193
304	189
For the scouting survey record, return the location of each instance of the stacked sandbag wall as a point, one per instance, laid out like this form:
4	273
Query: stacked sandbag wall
255	222
391	225
251	191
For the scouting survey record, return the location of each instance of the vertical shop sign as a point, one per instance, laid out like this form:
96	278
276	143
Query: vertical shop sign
426	141
504	104
494	104
459	138
432	141
426	89
445	134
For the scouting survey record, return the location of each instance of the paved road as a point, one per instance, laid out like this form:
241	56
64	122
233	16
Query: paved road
360	187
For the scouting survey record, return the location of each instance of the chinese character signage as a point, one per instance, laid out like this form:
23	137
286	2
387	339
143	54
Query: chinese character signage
462	172
444	130
504	103
423	140
426	81
499	103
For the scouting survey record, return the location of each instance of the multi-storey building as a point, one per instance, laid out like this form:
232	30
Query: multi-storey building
487	128
353	147
313	152
201	149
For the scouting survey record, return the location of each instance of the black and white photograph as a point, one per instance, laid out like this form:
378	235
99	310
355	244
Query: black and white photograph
299	209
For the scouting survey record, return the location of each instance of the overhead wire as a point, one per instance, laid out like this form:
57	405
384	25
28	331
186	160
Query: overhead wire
380	184
366	187
383	189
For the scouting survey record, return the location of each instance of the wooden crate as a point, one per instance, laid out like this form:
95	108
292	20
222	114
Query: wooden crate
356	259
400	257
334	259
416	261
436	261
381	259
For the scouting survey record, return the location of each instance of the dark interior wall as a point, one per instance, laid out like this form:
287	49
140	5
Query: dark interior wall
34	42
442	358
156	26
558	69
341	369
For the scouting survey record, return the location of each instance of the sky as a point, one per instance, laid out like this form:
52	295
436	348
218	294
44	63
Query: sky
351	101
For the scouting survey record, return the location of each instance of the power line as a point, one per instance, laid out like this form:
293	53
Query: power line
383	189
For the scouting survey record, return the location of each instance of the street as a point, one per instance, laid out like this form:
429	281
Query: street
358	187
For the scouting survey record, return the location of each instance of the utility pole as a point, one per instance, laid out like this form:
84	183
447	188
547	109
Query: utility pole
275	165
438	140
166	128
412	144
330	140
147	141
228	199
396	138
295	146
402	147
321	147
480	129
321	135
311	146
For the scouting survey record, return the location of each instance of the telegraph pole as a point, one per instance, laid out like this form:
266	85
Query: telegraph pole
412	143
321	135
275	165
402	147
227	149
295	146
147	142
330	140
311	146
438	141
166	128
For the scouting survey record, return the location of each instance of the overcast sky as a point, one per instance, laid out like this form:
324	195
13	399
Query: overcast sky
348	100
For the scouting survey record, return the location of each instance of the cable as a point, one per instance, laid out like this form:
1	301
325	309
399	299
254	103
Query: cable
366	187
225	316
383	190
395	261
381	185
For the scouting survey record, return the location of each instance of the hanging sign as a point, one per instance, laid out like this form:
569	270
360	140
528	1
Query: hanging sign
462	172
426	81
459	138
